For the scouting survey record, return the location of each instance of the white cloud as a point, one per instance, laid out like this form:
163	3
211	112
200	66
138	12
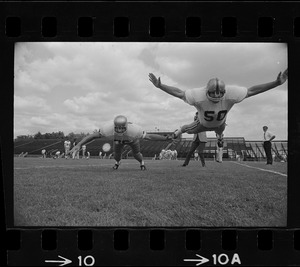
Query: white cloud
84	103
39	121
30	104
79	86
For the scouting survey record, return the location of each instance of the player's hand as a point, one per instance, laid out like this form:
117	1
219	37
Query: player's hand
282	77
169	137
156	82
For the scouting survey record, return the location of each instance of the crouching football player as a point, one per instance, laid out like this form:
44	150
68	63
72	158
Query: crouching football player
123	133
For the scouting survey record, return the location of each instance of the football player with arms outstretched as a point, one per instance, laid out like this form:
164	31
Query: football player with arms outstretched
213	102
123	133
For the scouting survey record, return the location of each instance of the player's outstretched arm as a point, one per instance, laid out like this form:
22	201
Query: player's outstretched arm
257	89
157	137
85	140
174	91
89	138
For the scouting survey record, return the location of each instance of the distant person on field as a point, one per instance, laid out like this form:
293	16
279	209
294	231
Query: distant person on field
67	146
43	153
220	144
57	155
83	151
268	137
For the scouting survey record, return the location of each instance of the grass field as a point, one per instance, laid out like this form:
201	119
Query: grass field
62	192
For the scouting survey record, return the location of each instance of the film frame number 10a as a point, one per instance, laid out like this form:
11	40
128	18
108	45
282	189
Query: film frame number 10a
150	133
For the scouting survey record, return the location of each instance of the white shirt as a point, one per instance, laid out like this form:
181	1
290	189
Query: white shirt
212	114
67	144
268	135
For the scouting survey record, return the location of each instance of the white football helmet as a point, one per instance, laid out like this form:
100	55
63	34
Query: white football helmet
215	90
120	123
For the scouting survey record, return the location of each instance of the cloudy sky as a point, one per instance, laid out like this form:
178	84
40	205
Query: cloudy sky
77	87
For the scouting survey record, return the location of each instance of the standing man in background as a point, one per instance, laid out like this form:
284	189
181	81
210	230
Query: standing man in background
268	137
67	146
83	151
220	144
44	153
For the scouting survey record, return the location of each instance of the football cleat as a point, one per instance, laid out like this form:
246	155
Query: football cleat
177	134
220	144
220	140
143	167
116	166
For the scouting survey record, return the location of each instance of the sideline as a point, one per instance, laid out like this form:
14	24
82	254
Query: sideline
69	166
279	173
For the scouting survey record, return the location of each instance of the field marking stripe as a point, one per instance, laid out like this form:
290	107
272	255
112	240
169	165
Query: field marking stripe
279	173
67	166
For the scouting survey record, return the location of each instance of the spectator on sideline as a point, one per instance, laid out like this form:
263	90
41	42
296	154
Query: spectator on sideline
43	153
268	137
83	151
67	146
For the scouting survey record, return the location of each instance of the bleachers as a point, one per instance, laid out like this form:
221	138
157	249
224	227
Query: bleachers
252	150
35	146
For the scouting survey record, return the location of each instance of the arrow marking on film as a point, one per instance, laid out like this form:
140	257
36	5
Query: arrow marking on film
63	262
200	261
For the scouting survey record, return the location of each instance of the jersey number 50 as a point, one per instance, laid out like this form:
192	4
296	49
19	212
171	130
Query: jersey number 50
210	115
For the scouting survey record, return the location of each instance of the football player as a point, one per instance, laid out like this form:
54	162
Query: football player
67	145
43	153
123	133
220	144
83	151
214	101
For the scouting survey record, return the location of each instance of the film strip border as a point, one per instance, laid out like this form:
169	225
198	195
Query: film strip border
152	247
144	21
195	22
121	27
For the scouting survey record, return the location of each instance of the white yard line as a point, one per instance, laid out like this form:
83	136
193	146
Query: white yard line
279	173
69	166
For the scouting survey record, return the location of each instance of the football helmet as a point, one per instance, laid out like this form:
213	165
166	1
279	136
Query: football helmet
215	90
120	123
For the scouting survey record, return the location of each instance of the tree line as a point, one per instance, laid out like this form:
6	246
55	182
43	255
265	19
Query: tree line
54	135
